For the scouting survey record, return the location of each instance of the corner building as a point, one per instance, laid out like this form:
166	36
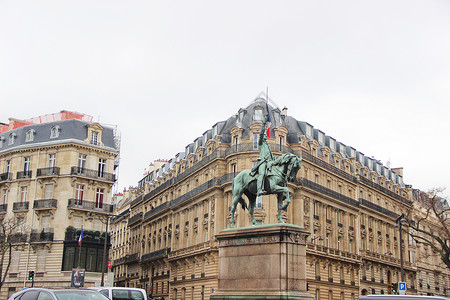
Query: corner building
56	176
346	200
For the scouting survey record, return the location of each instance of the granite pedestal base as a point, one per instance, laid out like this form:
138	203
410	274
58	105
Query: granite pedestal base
262	262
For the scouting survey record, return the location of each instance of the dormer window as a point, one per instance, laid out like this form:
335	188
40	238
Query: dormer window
29	137
241	115
2	141
258	115
12	139
94	138
54	132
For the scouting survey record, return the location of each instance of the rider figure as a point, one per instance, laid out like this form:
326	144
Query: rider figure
265	157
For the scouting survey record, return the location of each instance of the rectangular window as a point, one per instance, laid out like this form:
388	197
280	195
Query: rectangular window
81	162
99	197
79	194
255	141
23	193
259	202
45	223
26	164
41	259
258	115
281	143
94	138
51	160
48	191
4	196
8	166
101	167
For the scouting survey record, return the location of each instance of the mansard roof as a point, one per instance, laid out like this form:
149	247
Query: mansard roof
69	130
244	118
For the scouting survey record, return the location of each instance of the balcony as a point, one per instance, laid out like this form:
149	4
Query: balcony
24	175
21	206
92	174
45	204
41	236
5	176
135	218
51	171
18	238
131	258
90	205
155	255
3	208
96	237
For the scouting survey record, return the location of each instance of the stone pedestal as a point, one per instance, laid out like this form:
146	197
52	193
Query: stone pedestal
262	262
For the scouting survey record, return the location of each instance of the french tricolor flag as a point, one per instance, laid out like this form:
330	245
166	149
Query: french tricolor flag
269	121
81	237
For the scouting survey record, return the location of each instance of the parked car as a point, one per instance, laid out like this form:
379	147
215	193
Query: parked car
121	293
55	294
401	297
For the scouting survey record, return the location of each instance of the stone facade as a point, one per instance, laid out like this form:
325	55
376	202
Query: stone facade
348	202
57	174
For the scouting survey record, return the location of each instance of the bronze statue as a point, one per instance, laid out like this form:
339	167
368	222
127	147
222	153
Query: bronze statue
265	157
270	175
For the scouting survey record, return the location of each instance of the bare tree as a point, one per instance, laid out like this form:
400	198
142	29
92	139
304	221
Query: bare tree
430	224
10	233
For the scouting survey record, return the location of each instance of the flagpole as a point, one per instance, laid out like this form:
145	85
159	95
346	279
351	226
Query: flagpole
79	250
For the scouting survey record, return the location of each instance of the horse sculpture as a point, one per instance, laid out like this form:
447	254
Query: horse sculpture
281	170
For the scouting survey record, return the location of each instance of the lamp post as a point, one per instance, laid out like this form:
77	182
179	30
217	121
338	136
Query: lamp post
399	221
105	220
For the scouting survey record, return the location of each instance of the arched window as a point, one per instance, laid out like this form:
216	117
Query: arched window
12	138
54	131
30	135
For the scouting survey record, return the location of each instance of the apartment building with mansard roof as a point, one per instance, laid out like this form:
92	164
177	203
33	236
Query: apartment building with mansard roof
348	201
56	176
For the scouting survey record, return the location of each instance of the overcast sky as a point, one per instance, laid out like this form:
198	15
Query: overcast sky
375	75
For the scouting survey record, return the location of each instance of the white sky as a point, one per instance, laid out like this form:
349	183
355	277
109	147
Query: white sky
373	74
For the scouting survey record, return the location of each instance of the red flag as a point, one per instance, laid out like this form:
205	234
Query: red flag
269	121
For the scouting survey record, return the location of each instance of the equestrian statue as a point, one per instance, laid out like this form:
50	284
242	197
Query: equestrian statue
269	175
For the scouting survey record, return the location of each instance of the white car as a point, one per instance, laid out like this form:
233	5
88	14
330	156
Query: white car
121	293
401	297
55	294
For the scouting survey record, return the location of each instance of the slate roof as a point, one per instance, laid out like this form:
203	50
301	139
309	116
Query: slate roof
70	130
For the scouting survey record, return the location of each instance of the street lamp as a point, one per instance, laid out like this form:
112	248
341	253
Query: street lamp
105	220
399	222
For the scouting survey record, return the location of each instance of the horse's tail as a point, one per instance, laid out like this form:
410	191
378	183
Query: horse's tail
238	185
243	203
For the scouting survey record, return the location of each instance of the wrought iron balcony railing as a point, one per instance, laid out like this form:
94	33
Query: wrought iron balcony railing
92	174
24	174
51	171
20	206
90	205
45	204
41	236
5	176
